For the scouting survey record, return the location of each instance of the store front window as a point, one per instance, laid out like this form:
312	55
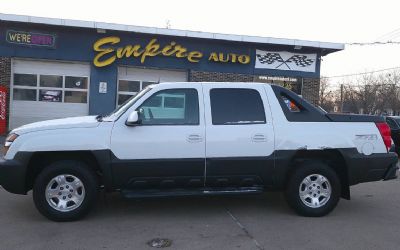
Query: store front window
127	89
50	88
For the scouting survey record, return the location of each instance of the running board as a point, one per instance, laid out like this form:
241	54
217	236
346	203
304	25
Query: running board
189	192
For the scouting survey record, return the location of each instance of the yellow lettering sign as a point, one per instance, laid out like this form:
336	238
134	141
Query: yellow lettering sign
213	57
244	59
98	60
180	51
168	50
222	58
231	57
195	56
108	52
129	51
150	50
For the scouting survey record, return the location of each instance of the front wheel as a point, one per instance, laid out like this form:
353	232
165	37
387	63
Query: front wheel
65	190
313	189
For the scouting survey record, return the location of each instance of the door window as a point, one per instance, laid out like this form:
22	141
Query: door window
171	107
236	107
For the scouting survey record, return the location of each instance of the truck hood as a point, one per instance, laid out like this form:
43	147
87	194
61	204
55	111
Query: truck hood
65	123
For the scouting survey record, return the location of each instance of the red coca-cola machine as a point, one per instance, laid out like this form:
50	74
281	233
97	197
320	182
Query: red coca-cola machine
3	110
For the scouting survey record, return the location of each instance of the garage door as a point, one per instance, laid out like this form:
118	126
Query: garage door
47	90
132	80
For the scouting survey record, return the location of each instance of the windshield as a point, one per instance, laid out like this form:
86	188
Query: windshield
128	103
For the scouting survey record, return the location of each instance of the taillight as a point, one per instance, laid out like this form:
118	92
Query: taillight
384	129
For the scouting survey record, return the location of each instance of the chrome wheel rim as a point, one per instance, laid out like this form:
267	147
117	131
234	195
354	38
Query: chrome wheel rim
65	193
315	191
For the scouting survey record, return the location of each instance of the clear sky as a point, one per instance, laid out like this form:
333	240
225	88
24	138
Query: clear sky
320	20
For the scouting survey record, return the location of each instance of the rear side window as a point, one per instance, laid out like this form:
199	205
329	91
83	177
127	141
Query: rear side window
291	104
236	107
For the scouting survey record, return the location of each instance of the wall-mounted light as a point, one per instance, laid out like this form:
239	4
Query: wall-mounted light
101	31
297	47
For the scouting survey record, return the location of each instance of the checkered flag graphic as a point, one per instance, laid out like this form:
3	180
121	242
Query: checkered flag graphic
300	60
269	58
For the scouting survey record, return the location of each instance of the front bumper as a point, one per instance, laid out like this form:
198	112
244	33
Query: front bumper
12	174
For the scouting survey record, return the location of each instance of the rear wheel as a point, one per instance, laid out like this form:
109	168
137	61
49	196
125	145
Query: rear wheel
65	190
313	189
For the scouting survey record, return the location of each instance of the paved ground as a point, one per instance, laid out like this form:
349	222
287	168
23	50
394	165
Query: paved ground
371	220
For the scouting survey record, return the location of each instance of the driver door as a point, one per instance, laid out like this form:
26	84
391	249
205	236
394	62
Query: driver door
167	150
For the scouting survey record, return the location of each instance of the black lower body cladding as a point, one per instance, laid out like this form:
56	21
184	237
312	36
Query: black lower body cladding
157	173
271	173
13	172
367	168
360	168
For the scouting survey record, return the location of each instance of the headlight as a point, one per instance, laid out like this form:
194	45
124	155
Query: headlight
9	140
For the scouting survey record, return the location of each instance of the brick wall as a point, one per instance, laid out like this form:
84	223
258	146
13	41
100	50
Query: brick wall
201	76
5	71
310	90
5	79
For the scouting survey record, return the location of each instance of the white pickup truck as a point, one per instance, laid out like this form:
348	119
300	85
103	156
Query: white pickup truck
179	139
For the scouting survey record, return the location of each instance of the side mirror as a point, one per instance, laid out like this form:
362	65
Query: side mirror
133	119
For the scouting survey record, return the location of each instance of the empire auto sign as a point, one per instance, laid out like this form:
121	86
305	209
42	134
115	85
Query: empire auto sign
108	52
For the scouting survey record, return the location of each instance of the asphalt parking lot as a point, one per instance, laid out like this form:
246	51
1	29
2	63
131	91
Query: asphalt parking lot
371	220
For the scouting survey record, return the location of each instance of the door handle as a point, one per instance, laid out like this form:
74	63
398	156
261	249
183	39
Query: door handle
259	138
194	138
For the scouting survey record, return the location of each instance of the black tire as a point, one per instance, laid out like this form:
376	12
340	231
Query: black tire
292	192
66	167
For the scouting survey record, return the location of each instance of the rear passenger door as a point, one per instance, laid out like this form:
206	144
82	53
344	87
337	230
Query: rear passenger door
239	136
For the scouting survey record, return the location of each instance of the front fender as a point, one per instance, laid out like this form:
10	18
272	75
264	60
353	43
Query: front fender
73	139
